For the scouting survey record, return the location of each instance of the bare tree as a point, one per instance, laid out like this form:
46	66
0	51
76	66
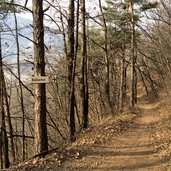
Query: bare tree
84	81
19	81
2	113
132	83
107	82
71	68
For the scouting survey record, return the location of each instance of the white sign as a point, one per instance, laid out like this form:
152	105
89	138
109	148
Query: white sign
39	79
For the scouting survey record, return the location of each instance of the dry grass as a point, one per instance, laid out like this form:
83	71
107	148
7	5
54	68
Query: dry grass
162	133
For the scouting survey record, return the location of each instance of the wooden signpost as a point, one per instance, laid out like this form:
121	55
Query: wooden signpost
43	79
39	79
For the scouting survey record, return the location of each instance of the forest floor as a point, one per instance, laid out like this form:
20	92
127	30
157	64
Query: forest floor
137	141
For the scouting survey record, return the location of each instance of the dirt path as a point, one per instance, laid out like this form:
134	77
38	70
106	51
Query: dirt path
132	150
129	149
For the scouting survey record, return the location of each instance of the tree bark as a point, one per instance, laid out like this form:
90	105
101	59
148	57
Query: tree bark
5	139
132	82
1	107
122	81
71	68
76	52
1	158
3	125
84	81
41	139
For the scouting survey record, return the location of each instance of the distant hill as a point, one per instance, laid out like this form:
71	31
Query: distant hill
25	31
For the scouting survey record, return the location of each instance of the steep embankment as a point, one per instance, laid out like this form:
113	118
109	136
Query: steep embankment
128	142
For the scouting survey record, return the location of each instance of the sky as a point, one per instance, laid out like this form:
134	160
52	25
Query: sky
91	4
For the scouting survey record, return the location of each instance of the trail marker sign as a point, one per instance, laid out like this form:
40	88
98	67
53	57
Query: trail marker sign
39	79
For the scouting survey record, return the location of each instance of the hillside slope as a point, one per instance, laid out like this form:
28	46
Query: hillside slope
129	142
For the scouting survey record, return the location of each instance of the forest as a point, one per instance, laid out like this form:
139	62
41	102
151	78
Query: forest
68	65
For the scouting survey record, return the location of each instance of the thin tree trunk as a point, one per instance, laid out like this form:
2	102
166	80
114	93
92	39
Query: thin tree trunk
77	113
1	106
20	85
136	90
71	68
84	82
132	85
16	141
143	80
3	125
107	82
63	31
135	72
122	81
5	139
7	111
1	158
41	139
76	52
125	81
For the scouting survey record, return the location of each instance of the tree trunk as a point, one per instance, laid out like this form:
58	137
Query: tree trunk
76	53
1	158
132	86
41	139
84	83
19	82
122	82
107	82
71	68
7	111
5	139
3	125
1	106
